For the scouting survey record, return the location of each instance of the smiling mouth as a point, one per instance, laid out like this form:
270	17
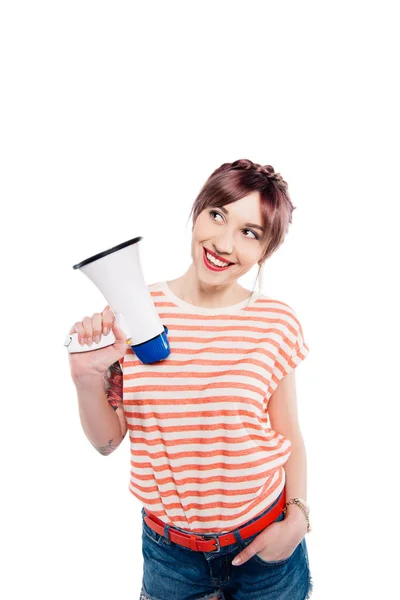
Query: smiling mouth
226	264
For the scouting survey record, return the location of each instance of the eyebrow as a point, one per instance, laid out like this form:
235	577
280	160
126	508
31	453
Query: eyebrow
246	224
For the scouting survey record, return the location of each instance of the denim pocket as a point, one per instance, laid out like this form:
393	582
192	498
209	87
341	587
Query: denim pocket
153	535
275	563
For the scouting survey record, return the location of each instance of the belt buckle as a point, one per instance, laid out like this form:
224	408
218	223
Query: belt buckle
216	539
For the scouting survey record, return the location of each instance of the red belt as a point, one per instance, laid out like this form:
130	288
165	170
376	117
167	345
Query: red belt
200	544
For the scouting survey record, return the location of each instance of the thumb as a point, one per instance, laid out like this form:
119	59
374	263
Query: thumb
118	333
245	555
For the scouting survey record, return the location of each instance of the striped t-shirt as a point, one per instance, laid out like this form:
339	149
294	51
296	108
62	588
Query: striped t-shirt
203	455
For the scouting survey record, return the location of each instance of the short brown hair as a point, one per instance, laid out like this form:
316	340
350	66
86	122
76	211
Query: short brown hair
232	181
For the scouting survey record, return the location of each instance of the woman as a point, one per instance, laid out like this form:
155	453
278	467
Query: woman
217	457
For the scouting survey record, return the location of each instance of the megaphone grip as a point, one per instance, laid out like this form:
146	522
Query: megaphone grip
72	343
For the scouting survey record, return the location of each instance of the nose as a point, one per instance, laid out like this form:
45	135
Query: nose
223	245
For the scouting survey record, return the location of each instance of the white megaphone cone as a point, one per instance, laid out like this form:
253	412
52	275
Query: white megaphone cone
118	275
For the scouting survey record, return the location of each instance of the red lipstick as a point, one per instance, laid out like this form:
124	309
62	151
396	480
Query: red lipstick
211	266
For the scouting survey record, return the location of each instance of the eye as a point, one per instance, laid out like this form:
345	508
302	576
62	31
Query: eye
257	237
214	212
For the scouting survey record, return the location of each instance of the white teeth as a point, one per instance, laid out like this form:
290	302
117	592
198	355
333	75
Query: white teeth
215	261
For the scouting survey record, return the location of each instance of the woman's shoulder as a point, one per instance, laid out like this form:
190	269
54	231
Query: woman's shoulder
278	308
272	302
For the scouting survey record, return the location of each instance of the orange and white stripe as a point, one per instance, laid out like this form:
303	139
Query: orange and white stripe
203	457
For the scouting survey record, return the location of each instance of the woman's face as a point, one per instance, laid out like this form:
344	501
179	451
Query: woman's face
233	233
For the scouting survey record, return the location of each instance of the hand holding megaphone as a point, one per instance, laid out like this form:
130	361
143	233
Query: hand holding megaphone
96	357
118	275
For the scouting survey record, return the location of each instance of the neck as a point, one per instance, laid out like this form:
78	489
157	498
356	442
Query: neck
190	289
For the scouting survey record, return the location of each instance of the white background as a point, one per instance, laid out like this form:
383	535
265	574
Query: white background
113	116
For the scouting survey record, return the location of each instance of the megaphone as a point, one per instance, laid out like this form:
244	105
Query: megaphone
118	275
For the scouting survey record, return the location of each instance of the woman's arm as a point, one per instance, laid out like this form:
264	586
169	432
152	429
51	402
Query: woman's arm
296	484
283	416
98	419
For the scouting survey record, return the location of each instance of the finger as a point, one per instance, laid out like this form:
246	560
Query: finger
117	330
118	333
106	308
97	326
257	545
78	329
241	558
88	331
108	318
269	537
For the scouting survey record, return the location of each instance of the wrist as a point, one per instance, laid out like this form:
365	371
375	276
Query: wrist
295	517
297	513
297	528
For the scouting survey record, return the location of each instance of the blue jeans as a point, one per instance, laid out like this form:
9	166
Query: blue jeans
173	572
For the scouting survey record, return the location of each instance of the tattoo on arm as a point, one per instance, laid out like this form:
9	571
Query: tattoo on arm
113	382
105	450
113	385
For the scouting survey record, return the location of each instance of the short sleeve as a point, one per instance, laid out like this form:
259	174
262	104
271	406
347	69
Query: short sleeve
114	384
293	349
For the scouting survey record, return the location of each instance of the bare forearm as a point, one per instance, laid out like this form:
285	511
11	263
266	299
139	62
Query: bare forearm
296	478
99	420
